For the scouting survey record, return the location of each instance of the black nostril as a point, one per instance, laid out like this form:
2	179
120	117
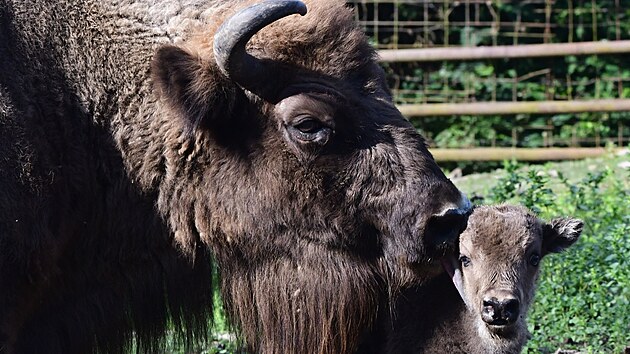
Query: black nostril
490	312
491	303
511	308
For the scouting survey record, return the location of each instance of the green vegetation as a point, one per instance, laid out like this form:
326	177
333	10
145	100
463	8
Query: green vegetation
583	299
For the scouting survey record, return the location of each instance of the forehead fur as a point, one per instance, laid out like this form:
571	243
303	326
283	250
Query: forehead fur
325	41
499	231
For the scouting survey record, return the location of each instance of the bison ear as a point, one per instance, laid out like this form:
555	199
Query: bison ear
191	86
561	233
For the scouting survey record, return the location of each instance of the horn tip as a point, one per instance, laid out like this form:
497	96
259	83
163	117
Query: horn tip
301	8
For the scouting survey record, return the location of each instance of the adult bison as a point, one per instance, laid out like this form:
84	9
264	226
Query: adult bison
137	134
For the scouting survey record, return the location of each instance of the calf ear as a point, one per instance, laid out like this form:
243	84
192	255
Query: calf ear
561	233
193	87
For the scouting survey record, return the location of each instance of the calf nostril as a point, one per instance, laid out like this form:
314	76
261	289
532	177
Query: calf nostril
490	312
490	303
511	308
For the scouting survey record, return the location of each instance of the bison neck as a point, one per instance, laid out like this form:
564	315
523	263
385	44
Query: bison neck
433	319
316	302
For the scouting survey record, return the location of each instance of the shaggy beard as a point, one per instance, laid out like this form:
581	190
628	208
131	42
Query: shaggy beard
324	301
324	304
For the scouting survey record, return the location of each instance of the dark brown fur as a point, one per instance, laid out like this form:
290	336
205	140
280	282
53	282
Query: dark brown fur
126	155
499	241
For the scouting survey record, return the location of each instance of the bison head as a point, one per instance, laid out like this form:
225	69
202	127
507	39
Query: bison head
289	160
498	266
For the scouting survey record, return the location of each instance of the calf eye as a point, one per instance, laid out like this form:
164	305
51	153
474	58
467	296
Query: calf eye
534	259
465	261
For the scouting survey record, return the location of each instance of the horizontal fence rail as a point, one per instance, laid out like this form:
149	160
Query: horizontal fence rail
521	154
443	59
504	52
507	108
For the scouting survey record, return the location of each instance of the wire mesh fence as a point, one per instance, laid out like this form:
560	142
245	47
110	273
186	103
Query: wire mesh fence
398	24
407	24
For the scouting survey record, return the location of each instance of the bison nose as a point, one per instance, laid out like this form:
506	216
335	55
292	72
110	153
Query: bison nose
500	312
445	227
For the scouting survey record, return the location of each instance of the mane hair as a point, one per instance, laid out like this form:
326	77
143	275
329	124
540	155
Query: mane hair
331	317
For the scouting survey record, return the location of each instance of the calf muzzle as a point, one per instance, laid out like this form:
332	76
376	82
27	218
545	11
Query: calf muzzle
500	312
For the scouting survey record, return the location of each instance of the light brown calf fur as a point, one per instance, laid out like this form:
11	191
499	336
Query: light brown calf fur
499	255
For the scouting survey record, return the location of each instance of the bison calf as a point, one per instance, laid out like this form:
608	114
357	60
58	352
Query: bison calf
495	275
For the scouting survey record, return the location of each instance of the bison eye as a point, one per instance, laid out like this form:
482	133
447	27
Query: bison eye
534	259
308	129
465	261
309	126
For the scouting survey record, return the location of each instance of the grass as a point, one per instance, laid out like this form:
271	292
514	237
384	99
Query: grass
583	298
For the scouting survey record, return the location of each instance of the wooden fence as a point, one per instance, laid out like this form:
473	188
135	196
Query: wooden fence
409	33
512	108
522	154
509	108
504	52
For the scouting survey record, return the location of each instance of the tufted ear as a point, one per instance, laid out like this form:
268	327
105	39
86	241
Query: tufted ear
561	233
193	87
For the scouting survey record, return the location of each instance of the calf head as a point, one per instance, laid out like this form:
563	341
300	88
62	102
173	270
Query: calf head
500	254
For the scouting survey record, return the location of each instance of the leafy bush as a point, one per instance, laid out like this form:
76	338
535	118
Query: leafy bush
583	299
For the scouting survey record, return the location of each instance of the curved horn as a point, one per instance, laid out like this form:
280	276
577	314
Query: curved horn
231	38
